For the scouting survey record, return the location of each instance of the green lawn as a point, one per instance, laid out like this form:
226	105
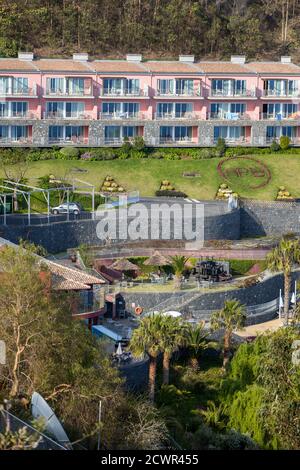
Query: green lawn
145	175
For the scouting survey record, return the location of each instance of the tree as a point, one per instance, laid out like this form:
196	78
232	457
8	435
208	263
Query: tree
173	335
231	317
196	342
179	266
146	339
14	165
282	258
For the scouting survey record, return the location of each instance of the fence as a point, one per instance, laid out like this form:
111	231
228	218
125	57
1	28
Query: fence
11	421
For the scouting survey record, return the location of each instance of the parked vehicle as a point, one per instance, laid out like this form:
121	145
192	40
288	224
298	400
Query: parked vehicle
74	208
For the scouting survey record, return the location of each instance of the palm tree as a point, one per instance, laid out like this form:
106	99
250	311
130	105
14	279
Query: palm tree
173	336
146	339
179	265
231	317
282	258
196	343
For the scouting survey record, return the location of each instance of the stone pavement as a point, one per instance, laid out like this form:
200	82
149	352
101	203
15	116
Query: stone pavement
254	330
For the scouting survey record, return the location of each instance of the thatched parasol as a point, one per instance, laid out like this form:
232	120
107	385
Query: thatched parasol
124	265
157	259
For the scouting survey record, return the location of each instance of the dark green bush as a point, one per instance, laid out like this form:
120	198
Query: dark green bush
69	153
284	142
220	147
274	147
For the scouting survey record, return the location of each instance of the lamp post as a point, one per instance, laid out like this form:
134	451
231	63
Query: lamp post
280	304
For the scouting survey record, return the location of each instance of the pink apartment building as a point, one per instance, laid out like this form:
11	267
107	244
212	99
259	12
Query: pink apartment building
82	102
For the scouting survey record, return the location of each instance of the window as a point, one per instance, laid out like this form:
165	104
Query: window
132	86
229	132
75	86
112	133
74	109
165	87
279	110
164	109
55	109
182	109
19	133
275	132
166	133
56	133
20	85
183	133
74	132
55	86
4	109
228	87
227	110
130	131
3	132
19	108
184	87
4	85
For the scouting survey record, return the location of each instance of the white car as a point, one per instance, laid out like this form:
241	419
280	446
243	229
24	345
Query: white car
74	208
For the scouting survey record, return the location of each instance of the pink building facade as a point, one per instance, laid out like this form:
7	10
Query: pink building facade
82	102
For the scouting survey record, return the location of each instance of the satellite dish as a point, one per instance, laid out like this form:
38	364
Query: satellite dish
41	409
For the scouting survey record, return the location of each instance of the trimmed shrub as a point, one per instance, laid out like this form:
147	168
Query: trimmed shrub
284	142
220	147
138	143
274	146
69	153
102	154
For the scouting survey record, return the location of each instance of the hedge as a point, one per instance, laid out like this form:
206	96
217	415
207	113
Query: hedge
169	193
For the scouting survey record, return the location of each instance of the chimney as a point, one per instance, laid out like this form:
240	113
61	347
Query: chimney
81	56
134	57
187	58
238	59
285	59
25	55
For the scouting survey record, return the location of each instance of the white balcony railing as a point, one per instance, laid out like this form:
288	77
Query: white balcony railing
68	140
11	140
176	140
171	116
281	93
280	116
124	92
62	115
86	92
176	94
19	91
235	141
228	116
26	115
120	116
233	93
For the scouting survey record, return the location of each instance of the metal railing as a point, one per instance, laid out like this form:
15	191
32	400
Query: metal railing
21	140
179	93
42	442
293	140
280	116
281	93
19	91
187	115
120	116
124	92
62	115
60	92
176	140
233	93
228	116
25	115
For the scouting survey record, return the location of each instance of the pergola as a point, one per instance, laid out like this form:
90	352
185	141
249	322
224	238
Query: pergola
12	188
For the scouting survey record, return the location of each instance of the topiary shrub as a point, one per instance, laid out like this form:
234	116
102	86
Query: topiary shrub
284	142
220	147
138	143
69	153
274	147
169	193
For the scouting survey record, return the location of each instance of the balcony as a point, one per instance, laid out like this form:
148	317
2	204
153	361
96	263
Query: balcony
280	116
293	140
176	140
16	92
18	141
175	116
69	140
61	93
179	95
228	116
26	115
236	141
245	94
277	94
128	92
122	116
61	115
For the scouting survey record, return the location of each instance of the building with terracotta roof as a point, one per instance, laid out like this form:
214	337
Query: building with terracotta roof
83	102
87	289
